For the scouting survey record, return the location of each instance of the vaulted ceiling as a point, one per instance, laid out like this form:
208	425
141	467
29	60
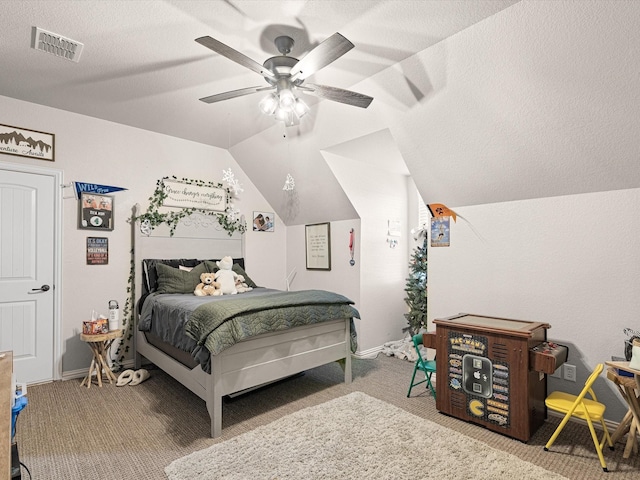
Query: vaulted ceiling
480	101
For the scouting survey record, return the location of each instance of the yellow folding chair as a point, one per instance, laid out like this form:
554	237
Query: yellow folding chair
424	365
589	410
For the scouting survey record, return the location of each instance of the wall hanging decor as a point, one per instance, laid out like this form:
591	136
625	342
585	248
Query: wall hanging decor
263	221
189	196
95	211
27	143
318	246
97	251
440	231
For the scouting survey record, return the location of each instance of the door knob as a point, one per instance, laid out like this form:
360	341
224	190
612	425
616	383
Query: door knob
43	288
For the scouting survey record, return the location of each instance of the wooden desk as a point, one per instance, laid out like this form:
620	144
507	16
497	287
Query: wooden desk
631	422
100	345
6	369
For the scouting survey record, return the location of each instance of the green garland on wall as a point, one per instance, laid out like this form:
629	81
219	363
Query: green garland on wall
172	218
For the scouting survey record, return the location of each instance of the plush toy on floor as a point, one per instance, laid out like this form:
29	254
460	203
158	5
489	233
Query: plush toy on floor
226	277
207	286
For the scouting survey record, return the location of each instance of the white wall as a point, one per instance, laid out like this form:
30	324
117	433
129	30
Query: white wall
96	151
572	261
378	195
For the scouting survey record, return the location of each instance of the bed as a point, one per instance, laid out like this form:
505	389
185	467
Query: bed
257	357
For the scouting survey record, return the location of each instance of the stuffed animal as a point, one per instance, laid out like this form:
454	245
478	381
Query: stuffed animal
241	286
226	276
207	286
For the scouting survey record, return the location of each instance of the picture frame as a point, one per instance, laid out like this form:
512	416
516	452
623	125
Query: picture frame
180	194
263	221
440	232
23	142
97	251
95	211
318	246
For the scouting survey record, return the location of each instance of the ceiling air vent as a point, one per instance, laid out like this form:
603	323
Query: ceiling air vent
56	44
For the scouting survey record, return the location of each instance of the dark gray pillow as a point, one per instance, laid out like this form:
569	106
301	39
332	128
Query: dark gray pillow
211	265
174	280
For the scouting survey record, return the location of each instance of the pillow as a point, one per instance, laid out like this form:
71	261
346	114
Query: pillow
150	275
174	280
211	265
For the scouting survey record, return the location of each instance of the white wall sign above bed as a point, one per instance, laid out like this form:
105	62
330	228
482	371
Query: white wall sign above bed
185	195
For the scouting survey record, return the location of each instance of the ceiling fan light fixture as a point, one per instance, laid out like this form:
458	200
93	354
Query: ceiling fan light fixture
287	100
300	108
269	104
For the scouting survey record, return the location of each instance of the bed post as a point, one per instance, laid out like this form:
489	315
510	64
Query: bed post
214	397
347	358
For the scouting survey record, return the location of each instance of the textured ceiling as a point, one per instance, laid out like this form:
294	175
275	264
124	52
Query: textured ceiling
482	101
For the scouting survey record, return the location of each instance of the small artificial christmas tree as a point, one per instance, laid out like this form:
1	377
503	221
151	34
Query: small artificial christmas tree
416	289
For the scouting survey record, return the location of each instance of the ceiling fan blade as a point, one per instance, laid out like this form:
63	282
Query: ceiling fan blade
234	55
328	51
337	95
234	93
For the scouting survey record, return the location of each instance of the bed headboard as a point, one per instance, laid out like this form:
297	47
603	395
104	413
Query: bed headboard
196	237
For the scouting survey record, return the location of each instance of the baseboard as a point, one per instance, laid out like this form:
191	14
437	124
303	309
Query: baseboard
82	372
370	353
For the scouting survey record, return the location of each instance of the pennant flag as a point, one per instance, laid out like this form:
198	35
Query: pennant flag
439	210
82	187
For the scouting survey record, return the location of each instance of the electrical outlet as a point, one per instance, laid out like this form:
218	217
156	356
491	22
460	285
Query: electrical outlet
557	373
569	372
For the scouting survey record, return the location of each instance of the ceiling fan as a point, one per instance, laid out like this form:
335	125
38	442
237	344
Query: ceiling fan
286	75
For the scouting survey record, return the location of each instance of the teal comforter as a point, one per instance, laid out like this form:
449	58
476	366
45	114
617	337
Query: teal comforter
219	325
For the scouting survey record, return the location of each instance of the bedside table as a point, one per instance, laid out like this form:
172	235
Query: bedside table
100	345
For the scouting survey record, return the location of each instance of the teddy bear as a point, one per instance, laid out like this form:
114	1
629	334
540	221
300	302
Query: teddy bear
241	286
207	286
226	276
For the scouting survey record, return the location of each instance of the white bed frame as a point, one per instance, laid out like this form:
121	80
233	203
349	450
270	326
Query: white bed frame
252	362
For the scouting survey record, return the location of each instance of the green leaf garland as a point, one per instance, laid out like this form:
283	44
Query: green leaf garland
172	218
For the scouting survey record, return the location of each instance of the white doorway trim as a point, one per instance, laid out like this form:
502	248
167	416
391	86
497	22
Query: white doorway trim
57	175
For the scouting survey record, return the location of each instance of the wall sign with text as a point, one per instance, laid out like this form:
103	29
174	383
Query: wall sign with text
318	246
97	251
185	195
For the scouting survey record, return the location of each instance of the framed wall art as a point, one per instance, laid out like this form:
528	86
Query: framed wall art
95	211
97	251
27	143
263	221
318	246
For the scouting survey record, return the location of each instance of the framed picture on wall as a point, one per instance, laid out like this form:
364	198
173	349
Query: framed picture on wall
27	143
97	251
318	246
95	211
263	221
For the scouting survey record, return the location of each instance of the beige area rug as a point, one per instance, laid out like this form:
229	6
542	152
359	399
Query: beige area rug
356	437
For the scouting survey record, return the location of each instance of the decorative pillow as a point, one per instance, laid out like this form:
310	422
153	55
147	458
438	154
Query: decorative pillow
150	275
213	268
174	280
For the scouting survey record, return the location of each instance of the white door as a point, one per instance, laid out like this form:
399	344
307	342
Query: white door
27	261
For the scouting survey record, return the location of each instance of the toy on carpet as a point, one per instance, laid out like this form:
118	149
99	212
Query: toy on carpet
207	286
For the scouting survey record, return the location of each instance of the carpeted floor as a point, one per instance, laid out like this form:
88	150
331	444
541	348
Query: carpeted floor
357	437
69	432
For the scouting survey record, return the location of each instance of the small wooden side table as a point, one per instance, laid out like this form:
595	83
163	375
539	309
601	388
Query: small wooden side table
100	345
627	387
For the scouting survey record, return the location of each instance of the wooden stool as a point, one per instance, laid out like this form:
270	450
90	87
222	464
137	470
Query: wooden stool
627	387
100	345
